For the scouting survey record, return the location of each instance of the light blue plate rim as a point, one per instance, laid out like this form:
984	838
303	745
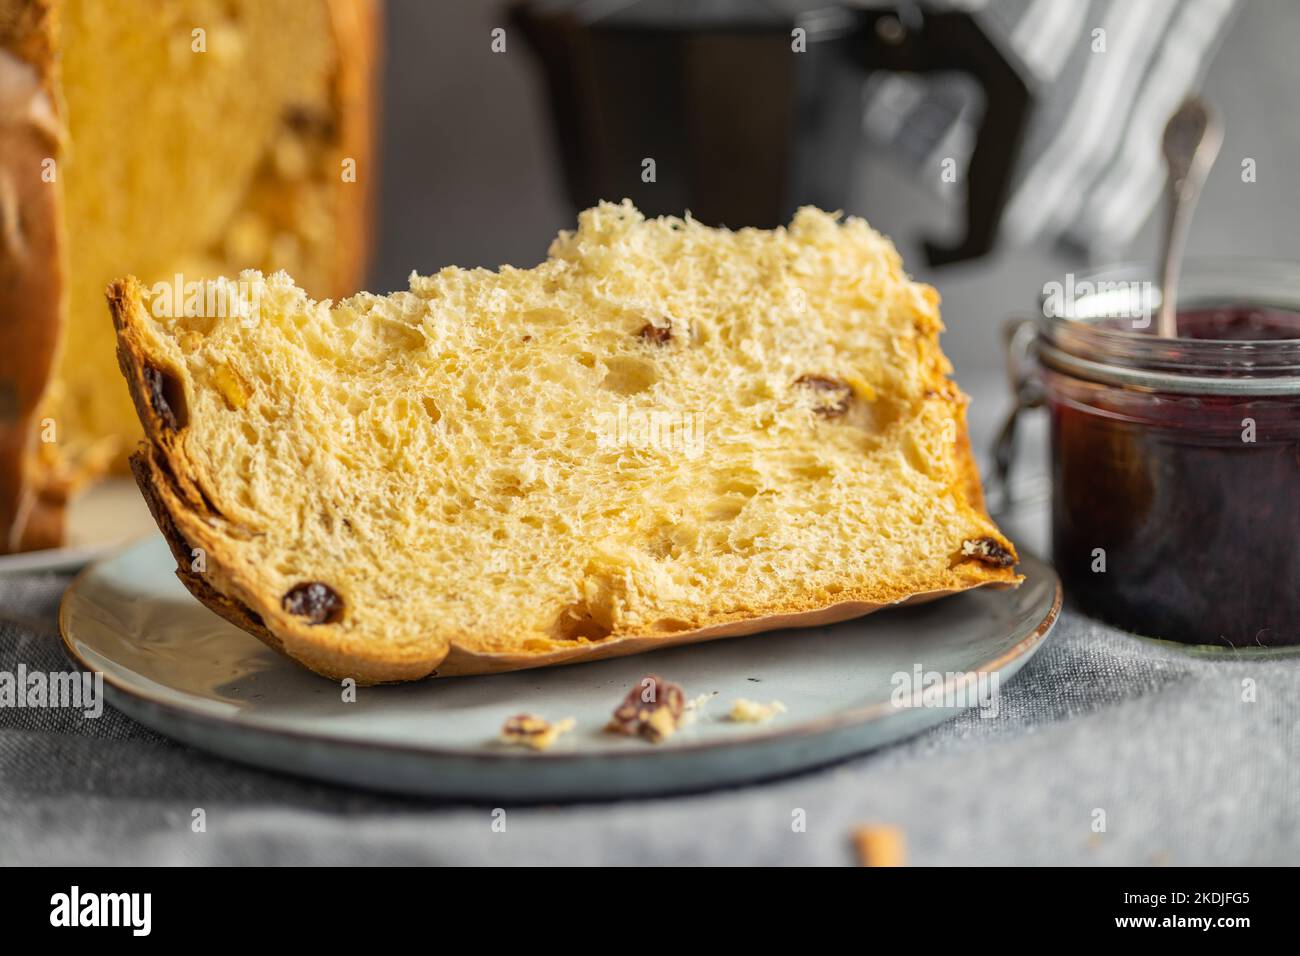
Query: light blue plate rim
492	773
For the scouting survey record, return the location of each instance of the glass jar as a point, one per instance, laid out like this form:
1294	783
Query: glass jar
1175	463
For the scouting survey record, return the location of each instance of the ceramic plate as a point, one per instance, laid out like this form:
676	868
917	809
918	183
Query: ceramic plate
100	520
174	665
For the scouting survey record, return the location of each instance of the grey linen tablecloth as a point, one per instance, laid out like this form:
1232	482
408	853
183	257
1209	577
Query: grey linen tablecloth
1185	770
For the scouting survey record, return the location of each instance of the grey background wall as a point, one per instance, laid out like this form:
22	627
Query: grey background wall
470	173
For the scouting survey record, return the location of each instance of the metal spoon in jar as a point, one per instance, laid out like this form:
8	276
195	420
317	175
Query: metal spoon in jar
1192	139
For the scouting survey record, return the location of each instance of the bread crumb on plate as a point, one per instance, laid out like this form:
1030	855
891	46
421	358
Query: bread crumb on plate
745	711
695	709
529	730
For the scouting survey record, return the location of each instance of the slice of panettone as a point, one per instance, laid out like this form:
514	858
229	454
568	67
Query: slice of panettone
664	433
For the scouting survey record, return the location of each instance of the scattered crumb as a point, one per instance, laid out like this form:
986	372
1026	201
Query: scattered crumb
529	730
651	710
695	708
880	845
752	712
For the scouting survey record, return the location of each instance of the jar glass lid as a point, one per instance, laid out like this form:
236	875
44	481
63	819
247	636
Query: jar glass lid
1100	325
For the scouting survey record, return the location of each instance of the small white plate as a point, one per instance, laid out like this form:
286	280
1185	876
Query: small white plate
106	516
171	663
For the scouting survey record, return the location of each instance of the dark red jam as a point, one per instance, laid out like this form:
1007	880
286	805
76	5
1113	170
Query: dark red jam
1177	515
1239	324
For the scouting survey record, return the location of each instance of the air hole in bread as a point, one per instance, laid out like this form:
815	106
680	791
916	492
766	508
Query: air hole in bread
725	509
670	625
737	486
742	546
401	337
510	488
197	321
629	376
752	393
661	547
577	623
431	409
812	470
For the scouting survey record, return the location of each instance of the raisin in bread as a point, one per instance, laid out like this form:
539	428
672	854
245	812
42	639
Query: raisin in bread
664	433
190	137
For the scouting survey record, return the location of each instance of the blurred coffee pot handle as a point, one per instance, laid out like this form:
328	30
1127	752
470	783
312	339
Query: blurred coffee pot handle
953	41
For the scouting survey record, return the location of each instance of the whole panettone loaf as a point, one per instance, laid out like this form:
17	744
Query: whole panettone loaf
174	139
664	433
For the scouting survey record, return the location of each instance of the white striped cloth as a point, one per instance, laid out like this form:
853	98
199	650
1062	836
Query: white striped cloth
1090	171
